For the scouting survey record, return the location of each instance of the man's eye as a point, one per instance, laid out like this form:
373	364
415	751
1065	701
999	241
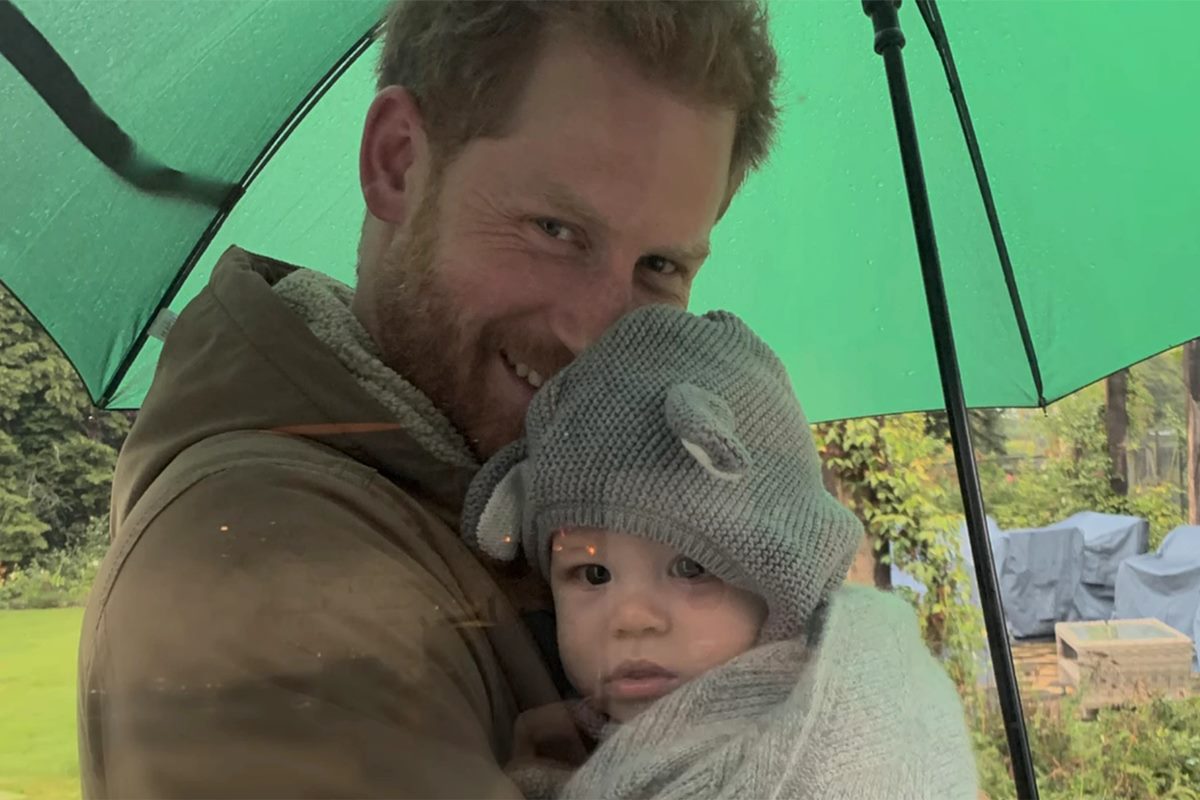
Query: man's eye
555	229
688	569
596	574
660	265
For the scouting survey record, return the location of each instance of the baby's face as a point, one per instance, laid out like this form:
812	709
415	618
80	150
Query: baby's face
636	619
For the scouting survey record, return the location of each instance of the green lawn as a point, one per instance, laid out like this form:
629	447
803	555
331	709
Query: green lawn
38	758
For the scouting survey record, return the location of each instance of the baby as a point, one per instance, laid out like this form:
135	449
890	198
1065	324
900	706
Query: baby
669	489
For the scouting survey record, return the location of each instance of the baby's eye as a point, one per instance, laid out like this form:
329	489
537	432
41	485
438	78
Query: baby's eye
596	574
688	569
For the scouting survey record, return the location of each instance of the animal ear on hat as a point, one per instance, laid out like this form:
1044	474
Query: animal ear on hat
705	426
498	493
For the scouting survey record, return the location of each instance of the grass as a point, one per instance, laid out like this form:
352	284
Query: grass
38	756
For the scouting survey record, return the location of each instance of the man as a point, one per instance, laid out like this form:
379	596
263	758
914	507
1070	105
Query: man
287	609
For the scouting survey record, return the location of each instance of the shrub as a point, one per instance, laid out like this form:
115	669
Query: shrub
57	578
1145	752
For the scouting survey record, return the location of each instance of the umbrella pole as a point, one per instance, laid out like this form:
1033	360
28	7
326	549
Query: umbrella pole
889	40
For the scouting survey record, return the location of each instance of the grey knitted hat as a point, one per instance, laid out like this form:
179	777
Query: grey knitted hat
683	429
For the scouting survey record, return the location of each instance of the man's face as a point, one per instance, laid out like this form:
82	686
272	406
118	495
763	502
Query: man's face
600	199
636	619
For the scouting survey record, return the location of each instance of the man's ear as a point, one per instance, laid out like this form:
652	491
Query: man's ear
394	156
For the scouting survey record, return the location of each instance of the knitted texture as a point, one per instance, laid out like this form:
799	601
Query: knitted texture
865	713
324	305
685	430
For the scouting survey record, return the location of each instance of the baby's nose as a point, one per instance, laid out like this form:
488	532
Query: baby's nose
638	614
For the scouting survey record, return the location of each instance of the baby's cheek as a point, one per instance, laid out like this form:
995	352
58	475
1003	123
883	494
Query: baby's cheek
578	652
710	597
723	628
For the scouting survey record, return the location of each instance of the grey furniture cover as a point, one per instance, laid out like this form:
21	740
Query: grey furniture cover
1108	539
1196	639
1164	585
1039	576
1038	570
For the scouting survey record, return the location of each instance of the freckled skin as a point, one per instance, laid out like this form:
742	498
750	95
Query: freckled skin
600	198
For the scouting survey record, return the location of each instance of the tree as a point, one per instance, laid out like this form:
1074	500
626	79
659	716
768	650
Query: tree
22	534
1191	371
987	429
57	451
899	480
1116	426
1064	463
850	451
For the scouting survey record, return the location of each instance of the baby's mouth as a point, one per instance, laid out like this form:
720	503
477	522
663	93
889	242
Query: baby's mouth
640	680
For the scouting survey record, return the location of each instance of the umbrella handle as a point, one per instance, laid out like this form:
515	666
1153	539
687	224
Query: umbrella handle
889	41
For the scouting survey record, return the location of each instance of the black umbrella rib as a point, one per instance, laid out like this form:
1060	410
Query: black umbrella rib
60	88
933	21
285	131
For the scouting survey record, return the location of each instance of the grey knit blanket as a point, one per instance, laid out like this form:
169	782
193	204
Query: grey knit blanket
863	713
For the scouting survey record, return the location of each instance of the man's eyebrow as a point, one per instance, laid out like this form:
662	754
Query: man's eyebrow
694	253
566	202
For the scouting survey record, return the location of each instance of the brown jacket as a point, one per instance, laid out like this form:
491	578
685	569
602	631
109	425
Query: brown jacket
287	609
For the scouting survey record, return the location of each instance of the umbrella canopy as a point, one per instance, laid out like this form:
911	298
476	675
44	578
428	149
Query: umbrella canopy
1095	175
1080	109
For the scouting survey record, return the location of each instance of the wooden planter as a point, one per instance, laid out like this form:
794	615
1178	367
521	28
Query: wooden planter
1122	661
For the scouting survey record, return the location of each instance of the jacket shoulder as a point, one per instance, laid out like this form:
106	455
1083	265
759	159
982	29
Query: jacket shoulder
274	619
257	480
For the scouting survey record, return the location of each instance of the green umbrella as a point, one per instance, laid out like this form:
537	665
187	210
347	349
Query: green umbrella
1081	112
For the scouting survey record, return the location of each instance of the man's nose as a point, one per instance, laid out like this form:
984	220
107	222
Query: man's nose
637	613
591	305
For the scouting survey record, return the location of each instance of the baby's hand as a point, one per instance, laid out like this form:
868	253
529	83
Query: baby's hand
548	734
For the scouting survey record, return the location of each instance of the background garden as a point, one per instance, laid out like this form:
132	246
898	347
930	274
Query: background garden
1118	446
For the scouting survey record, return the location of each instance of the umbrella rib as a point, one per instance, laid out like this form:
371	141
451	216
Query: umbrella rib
277	141
933	21
24	46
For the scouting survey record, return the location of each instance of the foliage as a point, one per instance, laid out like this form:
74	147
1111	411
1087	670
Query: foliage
987	429
57	452
1157	397
1158	505
57	578
1065	469
894	476
21	532
1145	752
